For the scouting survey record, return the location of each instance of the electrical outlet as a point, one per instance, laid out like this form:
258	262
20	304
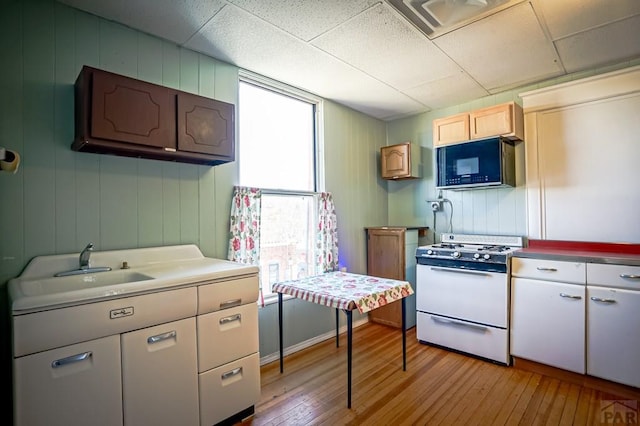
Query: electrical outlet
436	206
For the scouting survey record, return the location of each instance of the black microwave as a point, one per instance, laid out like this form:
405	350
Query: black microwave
476	164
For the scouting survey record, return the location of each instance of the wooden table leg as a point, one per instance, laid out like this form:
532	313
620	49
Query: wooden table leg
280	331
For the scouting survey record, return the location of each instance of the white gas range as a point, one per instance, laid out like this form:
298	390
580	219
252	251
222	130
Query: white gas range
462	294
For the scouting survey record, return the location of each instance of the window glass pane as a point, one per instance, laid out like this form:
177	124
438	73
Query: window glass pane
276	147
286	239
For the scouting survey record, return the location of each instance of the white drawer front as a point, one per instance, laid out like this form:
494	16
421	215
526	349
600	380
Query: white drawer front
549	270
227	294
227	335
620	276
229	389
60	327
484	341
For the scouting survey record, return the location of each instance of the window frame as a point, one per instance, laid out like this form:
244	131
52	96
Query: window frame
248	77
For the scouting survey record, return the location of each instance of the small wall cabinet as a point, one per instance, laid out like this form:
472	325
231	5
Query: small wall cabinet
505	120
124	116
391	254
400	161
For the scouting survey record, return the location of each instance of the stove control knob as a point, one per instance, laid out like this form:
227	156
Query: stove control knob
455	254
430	252
476	256
486	257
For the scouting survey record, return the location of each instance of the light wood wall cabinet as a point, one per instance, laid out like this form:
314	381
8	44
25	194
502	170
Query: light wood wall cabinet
506	120
391	254
400	161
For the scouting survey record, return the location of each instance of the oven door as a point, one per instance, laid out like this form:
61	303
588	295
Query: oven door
476	296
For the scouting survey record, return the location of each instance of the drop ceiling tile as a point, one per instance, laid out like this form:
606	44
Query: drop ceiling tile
503	50
241	39
594	48
448	91
167	19
387	47
304	19
568	17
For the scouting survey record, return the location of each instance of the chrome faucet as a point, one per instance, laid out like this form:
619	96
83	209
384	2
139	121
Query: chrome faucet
85	264
85	257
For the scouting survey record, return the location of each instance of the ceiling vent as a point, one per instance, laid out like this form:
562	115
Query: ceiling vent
436	17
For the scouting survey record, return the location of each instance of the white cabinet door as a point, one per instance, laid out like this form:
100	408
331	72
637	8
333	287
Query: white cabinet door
159	375
73	385
548	323
613	334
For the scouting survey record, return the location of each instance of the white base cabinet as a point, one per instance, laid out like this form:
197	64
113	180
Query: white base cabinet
159	374
58	387
613	326
548	323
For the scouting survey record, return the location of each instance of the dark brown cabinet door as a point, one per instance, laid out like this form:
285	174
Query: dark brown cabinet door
205	126
128	110
386	259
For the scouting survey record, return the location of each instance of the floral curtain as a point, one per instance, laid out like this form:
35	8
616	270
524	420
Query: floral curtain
244	228
327	236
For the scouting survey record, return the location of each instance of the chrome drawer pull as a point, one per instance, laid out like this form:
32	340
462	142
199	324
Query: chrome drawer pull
630	276
231	373
160	337
542	268
71	359
464	324
570	296
598	299
232	318
230	303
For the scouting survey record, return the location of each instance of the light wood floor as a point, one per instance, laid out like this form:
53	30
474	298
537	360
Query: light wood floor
439	387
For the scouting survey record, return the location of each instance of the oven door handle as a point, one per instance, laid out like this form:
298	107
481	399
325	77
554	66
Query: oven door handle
454	322
460	271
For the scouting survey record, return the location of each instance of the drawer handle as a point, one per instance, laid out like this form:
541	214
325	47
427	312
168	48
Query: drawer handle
231	373
599	299
232	318
230	303
542	268
570	296
71	359
463	324
160	337
630	276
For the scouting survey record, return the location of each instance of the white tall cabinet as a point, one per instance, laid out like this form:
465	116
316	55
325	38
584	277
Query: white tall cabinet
581	159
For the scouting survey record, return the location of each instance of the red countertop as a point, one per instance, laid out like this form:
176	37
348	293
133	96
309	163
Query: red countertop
587	251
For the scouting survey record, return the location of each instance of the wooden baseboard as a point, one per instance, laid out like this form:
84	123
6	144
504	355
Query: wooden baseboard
601	385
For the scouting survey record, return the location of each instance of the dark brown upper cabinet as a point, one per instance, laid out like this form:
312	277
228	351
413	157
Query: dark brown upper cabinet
124	116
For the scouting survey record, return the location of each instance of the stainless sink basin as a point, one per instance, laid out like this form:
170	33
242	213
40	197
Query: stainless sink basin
79	282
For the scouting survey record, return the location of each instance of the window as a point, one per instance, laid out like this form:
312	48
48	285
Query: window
278	152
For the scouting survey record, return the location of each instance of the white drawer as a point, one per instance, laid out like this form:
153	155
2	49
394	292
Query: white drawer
229	389
227	294
549	270
620	276
484	341
227	335
60	327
